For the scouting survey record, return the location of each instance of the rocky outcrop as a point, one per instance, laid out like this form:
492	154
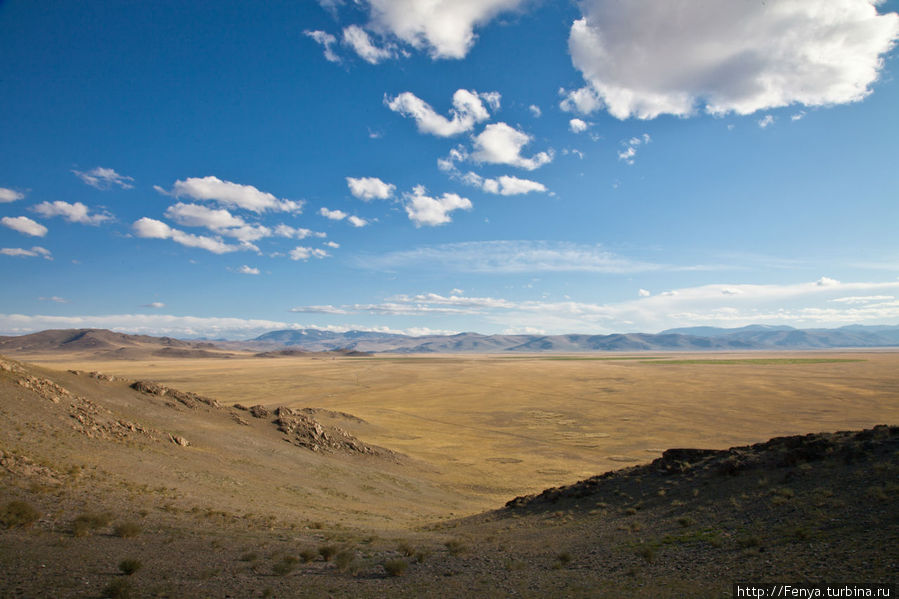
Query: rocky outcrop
96	375
259	411
23	466
303	430
187	398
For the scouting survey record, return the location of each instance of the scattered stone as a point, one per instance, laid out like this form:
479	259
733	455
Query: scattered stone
239	420
189	399
179	440
259	411
304	431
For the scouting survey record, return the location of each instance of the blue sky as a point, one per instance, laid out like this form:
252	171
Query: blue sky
226	168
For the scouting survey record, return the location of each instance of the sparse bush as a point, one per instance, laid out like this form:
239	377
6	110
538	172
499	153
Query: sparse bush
268	592
685	522
422	555
118	589
396	567
345	560
129	566
308	555
406	549
18	514
285	566
454	546
83	524
249	557
749	542
126	530
647	552
327	552
564	558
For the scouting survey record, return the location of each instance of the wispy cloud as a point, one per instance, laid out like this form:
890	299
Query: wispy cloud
630	147
104	178
508	257
35	252
227	193
327	42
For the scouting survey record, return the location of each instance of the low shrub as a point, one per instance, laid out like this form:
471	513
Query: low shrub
18	514
396	567
84	524
127	530
129	566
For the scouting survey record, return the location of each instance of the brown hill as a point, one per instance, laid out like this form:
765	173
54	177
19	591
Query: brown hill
214	500
106	344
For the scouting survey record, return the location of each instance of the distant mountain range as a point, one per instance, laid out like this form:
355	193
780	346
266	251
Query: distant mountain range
110	344
754	337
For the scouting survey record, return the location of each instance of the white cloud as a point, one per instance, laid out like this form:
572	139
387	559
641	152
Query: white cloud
230	194
356	221
333	214
149	228
644	58
630	147
221	221
578	125
104	178
445	28
326	41
508	257
583	100
370	188
10	195
448	164
766	121
798	116
25	225
283	230
319	310
332	244
863	299
54	298
535	110
196	215
248	270
36	251
74	213
359	40
501	144
643	293
304	253
503	185
425	210
154	305
468	110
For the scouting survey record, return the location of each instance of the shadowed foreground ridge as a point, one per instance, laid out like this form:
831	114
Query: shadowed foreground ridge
703	465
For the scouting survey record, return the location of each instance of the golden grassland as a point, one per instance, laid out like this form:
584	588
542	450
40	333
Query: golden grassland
494	426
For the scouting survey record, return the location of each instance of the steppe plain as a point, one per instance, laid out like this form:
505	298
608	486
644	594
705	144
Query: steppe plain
499	426
228	515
